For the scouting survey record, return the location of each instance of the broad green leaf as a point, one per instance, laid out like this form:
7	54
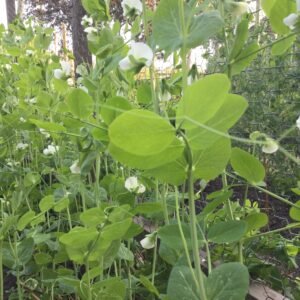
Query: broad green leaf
46	203
116	231
281	47
244	59
141	132
42	258
212	161
32	179
295	212
181	285
148	208
114	107
61	204
247	166
109	289
168	31
280	10
172	173
228	114
202	100
256	221
227	232
25	220
48	126
228	281
25	250
8	222
170	236
92	217
80	104
171	153
125	254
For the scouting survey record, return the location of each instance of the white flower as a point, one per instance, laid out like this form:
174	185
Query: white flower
70	82
7	67
66	67
82	87
298	122
75	168
149	241
132	5
58	73
29	52
50	150
22	120
45	133
239	8
291	20
21	146
65	71
166	96
30	101
90	30
270	147
18	38
87	21
140	53
132	185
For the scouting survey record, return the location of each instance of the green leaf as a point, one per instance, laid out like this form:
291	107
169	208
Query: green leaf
240	38
168	31
170	236
25	220
25	250
281	47
181	285
211	162
256	221
149	286
141	132
46	203
92	217
229	113
171	153
32	179
148	208
228	281
125	254
80	103
48	126
61	204
116	231
227	232
42	258
244	59
202	100
144	94
109	289
114	107
247	166
295	212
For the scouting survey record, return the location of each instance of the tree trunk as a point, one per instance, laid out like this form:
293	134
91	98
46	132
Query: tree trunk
80	44
10	10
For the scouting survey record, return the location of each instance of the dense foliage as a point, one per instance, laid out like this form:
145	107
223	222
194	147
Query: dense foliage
103	174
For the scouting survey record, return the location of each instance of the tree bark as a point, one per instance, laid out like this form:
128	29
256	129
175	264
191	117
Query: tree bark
80	43
10	10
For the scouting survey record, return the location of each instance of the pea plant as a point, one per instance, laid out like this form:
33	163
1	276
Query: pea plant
102	172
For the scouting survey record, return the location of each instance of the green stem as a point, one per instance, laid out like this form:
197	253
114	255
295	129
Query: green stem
228	203
185	246
193	221
154	262
98	165
165	205
1	274
87	265
290	226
